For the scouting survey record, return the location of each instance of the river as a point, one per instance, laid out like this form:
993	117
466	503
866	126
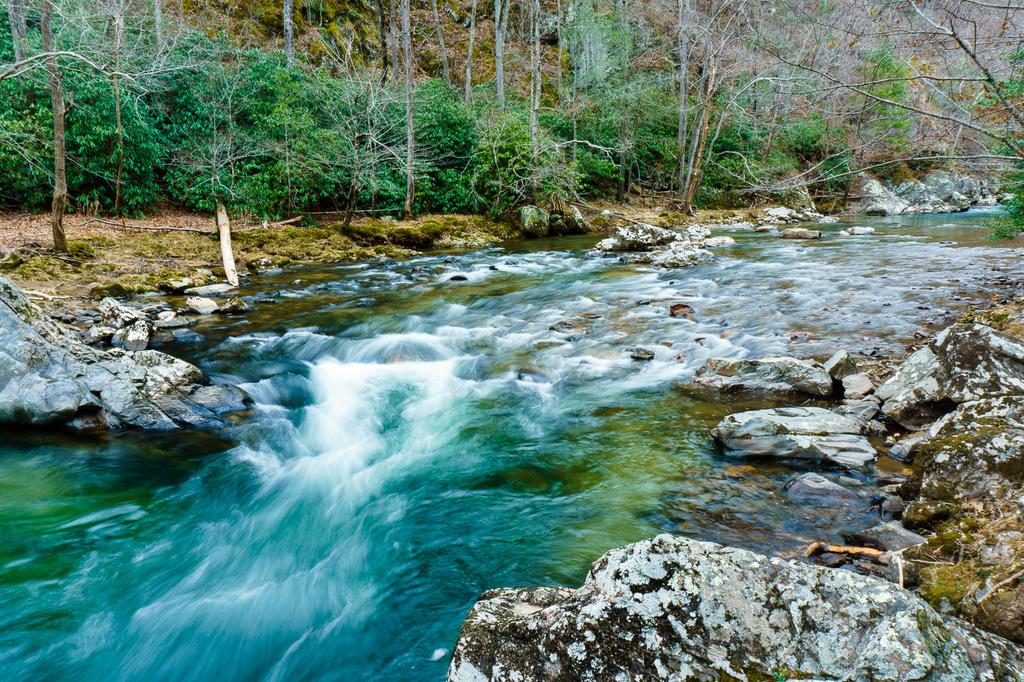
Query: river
418	439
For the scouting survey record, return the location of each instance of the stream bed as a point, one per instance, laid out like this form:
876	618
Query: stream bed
430	429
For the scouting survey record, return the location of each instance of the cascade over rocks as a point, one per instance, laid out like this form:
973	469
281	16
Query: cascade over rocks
674	608
48	376
964	362
765	375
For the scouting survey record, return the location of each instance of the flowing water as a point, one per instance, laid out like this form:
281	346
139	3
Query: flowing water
418	439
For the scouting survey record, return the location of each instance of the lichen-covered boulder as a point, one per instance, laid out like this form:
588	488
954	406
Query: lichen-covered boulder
796	432
681	254
637	237
677	609
48	376
534	221
963	362
764	375
975	453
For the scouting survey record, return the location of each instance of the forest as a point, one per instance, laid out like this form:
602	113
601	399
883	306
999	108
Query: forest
276	109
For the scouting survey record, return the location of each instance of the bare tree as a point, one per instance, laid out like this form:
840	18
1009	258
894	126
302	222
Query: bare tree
469	53
683	47
288	13
382	28
501	10
16	19
410	137
440	44
535	90
158	23
60	179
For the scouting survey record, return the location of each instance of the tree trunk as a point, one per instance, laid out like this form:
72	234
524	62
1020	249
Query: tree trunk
226	255
158	22
500	21
469	54
440	44
623	186
684	91
535	88
393	35
60	178
289	31
118	39
382	28
697	158
16	19
410	138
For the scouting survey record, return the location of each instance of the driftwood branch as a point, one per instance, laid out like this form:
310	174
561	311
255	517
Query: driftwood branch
147	228
816	548
999	585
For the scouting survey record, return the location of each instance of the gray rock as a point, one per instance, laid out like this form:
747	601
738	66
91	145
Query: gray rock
534	221
963	362
890	537
210	289
680	254
840	365
233	306
117	315
641	237
975	453
640	353
134	337
766	375
856	386
801	233
100	334
863	410
905	448
202	305
677	609
796	432
48	376
819	490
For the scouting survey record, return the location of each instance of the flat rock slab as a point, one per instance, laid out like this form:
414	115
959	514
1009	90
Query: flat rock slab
817	489
210	289
765	375
677	609
891	537
796	432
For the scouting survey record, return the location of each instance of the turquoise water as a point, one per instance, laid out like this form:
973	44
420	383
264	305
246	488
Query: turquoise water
417	440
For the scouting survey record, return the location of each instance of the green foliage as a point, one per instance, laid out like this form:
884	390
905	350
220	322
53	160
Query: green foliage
891	124
446	137
1011	223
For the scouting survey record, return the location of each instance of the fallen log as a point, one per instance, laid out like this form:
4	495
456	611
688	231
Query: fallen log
147	228
877	555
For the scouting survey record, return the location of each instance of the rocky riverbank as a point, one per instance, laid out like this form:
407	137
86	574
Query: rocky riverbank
933	591
938	192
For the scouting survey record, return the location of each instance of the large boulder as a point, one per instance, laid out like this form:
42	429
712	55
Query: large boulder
964	362
48	376
637	237
974	454
796	432
677	609
939	192
766	375
534	221
681	254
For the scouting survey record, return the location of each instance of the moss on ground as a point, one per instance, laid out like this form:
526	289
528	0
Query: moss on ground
140	262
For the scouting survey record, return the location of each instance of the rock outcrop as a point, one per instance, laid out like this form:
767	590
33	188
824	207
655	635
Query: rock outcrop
940	192
781	375
962	363
797	432
48	376
643	243
677	609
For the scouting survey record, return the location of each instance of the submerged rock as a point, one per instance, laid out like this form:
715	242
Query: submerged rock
964	362
674	608
801	233
796	432
816	488
48	376
765	375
